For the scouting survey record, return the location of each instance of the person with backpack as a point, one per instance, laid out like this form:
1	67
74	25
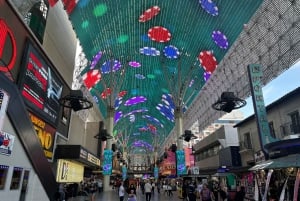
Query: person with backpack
206	194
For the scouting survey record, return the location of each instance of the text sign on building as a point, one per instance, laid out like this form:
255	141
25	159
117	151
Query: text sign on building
68	171
255	75
46	135
180	163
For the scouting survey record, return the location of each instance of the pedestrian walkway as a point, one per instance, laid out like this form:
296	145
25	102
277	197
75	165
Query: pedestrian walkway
112	195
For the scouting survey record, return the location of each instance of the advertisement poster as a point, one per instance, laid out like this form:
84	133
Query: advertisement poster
107	162
4	98
168	166
41	86
46	135
124	173
180	162
6	143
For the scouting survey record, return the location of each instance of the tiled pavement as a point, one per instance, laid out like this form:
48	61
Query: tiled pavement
112	195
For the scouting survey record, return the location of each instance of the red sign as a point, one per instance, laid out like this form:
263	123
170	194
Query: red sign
7	36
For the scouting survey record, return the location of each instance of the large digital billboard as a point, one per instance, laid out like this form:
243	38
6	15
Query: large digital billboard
41	86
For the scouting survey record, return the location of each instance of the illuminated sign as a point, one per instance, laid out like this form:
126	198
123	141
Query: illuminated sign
7	36
93	159
46	135
107	162
3	106
68	171
180	162
40	86
156	173
124	173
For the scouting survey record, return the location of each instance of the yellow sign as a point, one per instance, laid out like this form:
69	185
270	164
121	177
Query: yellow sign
68	171
93	159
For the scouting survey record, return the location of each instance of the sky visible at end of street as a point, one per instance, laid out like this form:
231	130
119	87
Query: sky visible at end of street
280	86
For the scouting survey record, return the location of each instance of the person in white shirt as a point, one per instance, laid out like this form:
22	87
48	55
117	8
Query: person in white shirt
148	190
121	191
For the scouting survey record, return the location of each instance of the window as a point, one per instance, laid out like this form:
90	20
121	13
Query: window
247	141
16	178
295	126
3	174
272	131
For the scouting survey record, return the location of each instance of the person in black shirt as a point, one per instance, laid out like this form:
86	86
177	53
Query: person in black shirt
240	194
192	192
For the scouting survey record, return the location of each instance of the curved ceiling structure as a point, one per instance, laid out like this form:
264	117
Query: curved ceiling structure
149	59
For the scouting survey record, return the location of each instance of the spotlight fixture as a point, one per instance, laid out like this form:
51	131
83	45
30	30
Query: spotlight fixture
102	135
228	102
76	101
187	136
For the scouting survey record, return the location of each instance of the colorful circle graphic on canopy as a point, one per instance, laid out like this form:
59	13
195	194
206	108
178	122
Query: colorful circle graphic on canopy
153	119
135	100
122	93
140	76
134	64
149	14
210	7
106	93
220	39
91	78
159	34
96	59
171	52
206	76
118	116
108	65
149	51
208	61
118	103
166	111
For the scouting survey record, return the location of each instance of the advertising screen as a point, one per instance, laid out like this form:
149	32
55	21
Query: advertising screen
180	162
41	86
107	162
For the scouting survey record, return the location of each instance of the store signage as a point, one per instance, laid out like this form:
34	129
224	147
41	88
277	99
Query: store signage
180	163
107	162
255	75
6	143
46	135
69	172
7	43
41	86
93	159
4	98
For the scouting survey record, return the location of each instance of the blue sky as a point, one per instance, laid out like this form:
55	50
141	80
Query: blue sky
283	84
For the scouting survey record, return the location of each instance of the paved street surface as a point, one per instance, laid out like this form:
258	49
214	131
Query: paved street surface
113	196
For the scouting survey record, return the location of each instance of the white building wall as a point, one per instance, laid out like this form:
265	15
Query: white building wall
231	136
18	158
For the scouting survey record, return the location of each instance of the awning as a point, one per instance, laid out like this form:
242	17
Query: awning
282	162
222	174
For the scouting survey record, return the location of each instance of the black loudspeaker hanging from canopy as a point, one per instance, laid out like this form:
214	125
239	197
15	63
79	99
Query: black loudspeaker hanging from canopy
187	136
103	135
228	102
76	101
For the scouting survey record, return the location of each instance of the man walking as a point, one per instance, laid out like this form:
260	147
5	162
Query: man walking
148	189
121	191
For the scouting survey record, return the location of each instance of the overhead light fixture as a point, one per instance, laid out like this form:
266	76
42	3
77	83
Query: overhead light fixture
187	136
228	102
102	135
76	101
